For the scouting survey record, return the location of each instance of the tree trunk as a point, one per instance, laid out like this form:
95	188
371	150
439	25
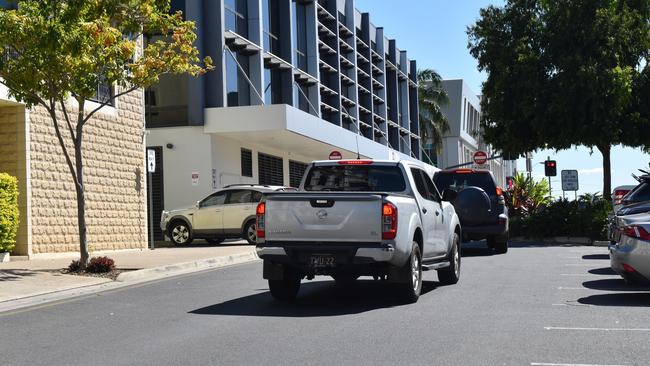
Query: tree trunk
81	206
607	171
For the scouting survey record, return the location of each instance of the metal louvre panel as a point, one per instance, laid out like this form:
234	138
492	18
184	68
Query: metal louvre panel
157	192
270	170
296	171
246	163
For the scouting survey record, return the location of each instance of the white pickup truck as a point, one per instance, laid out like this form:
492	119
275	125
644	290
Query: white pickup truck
353	218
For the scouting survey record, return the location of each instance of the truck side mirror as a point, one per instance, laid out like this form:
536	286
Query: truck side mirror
449	195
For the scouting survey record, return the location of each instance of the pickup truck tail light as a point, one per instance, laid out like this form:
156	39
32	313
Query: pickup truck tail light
388	221
636	231
260	211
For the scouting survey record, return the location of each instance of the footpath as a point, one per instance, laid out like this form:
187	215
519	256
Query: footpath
40	281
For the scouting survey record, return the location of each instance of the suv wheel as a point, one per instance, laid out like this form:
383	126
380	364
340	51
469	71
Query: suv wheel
287	288
180	233
451	275
250	232
411	290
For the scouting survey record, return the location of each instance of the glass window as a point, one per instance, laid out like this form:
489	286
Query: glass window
272	85
459	181
299	14
256	196
640	193
271	25
419	182
214	199
431	188
236	16
301	97
363	178
239	196
237	87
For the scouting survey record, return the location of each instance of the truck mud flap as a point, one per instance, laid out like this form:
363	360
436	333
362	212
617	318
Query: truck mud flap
272	271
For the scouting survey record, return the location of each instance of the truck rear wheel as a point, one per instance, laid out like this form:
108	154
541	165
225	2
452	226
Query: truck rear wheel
451	275
411	290
287	288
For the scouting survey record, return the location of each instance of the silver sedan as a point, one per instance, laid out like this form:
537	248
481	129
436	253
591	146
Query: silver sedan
630	257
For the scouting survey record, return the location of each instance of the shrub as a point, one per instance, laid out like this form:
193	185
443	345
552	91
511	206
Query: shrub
585	217
8	212
100	265
75	266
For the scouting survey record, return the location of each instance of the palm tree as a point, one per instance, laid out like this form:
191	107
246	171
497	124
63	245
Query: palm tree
431	95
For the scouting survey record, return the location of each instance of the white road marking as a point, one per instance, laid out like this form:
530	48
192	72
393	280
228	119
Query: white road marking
568	364
576	274
600	329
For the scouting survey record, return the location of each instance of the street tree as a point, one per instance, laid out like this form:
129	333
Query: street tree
431	97
55	53
565	73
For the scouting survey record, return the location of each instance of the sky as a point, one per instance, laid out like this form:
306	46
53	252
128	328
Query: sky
434	33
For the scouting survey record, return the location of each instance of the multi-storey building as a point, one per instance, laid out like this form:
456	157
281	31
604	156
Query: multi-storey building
464	138
293	81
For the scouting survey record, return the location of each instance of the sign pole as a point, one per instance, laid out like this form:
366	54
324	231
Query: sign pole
151	211
151	168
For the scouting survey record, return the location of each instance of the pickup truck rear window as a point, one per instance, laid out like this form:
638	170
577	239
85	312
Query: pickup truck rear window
355	178
459	181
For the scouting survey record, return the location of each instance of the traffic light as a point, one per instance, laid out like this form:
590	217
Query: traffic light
550	168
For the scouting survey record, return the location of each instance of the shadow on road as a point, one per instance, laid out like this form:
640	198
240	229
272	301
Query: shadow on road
623	299
613	284
475	249
322	298
605	271
595	256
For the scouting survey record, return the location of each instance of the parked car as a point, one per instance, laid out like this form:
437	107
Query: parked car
227	213
480	205
630	256
632	201
354	218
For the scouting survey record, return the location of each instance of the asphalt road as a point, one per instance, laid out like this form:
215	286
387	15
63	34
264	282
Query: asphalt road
532	306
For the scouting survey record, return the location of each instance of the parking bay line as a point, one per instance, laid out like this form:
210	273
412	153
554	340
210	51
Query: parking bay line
600	329
567	364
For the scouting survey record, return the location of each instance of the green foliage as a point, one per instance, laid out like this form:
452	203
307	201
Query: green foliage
526	196
581	218
564	73
9	213
60	48
431	96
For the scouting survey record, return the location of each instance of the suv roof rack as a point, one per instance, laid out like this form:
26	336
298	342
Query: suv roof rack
246	185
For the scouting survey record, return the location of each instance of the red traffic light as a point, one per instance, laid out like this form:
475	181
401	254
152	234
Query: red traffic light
550	168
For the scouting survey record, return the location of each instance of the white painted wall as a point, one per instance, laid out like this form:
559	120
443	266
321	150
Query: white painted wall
191	153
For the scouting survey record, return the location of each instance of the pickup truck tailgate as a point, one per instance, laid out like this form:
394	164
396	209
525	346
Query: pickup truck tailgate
323	217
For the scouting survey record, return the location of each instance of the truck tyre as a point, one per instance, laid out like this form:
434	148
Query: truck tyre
451	275
499	244
287	288
411	289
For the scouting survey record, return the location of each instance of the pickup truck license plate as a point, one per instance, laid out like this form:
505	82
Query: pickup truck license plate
322	261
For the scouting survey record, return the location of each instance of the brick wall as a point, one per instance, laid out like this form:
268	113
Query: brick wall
114	178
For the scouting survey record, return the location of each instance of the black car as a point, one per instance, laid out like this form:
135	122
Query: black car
480	205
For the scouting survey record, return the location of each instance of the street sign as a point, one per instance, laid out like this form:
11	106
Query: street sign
336	155
480	157
151	161
569	180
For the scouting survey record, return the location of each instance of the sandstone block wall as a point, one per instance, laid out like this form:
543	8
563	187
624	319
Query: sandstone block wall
114	178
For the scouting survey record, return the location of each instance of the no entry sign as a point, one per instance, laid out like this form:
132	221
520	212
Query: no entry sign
480	157
335	155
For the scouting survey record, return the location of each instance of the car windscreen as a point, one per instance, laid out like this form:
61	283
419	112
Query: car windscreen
640	193
460	181
355	178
